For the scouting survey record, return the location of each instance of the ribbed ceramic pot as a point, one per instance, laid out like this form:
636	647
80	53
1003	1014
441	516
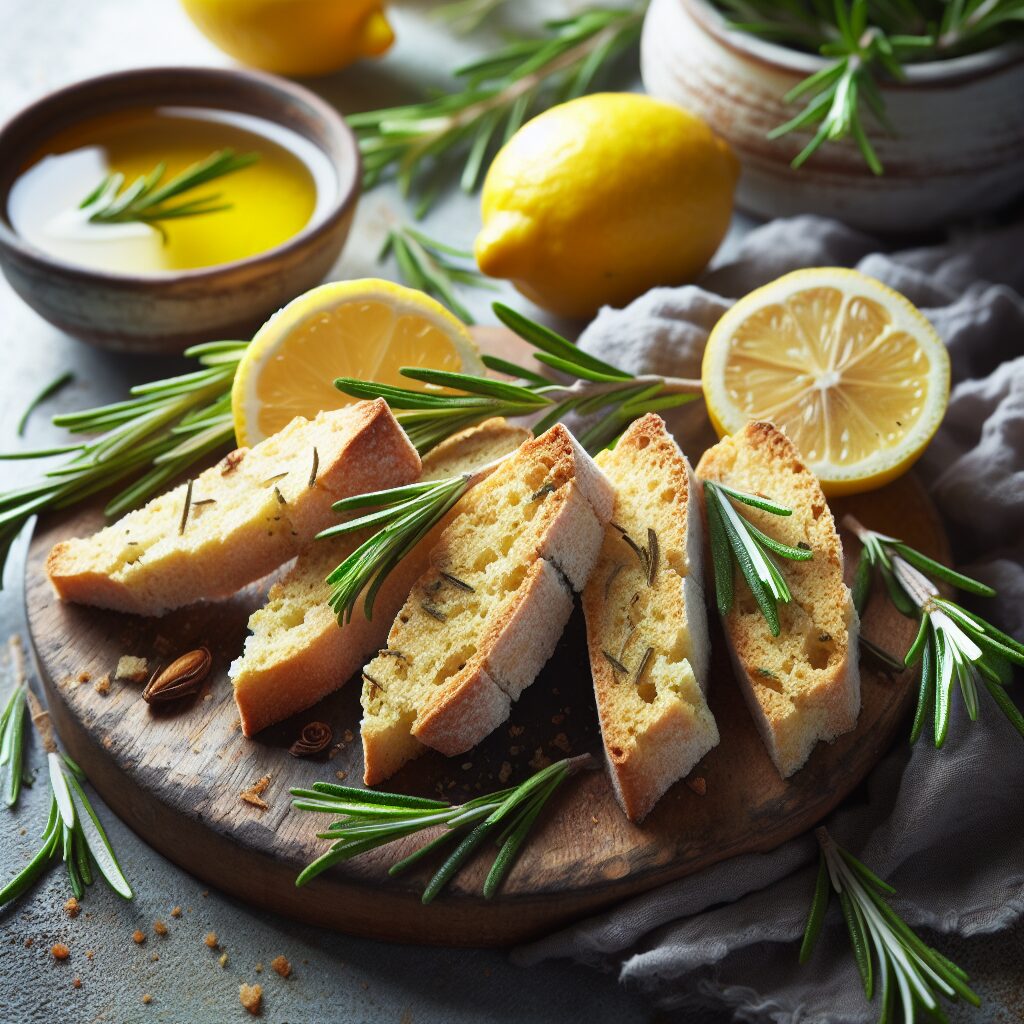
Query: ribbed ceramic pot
957	148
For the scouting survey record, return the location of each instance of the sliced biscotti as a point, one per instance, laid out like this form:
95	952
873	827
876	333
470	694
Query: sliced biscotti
803	685
297	652
480	623
238	520
647	629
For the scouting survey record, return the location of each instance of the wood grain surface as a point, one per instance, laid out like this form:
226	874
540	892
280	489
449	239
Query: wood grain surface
175	774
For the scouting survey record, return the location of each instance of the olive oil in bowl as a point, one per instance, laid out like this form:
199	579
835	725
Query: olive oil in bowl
286	185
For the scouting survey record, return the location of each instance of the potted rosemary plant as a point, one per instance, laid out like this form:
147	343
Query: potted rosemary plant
890	115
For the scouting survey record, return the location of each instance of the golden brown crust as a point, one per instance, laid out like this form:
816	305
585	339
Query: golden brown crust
803	686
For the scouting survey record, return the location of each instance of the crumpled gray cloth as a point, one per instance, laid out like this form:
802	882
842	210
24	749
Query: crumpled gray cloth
945	827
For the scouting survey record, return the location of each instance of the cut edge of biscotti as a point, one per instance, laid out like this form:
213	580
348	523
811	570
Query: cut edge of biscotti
238	520
647	631
481	622
802	687
297	652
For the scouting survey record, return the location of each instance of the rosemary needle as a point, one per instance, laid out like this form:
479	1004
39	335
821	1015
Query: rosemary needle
50	389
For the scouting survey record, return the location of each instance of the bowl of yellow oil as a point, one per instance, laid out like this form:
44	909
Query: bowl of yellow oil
147	210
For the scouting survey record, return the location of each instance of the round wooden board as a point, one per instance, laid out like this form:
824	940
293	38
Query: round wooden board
175	775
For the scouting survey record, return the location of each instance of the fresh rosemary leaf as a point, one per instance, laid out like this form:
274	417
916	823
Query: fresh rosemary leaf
513	370
816	915
936	570
52	388
721	559
476	385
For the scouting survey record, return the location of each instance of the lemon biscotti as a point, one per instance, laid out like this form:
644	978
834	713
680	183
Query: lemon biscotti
298	652
646	622
803	685
481	622
238	520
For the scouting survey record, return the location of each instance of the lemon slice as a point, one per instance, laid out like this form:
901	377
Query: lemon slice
366	329
850	369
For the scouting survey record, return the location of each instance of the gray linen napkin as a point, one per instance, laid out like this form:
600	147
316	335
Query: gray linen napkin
945	827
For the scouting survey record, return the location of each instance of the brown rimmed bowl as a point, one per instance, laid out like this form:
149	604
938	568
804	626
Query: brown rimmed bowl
166	312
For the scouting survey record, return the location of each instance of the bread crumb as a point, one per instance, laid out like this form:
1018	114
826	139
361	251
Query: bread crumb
504	772
341	776
211	940
539	760
147	998
176	912
72	908
347	736
259	968
107	742
253	795
223	960
159	927
514	750
698	784
132	669
251	996
102	685
77	983
561	741
281	965
515	730
83	677
29	943
60	951
466	766
138	936
154	957
89	954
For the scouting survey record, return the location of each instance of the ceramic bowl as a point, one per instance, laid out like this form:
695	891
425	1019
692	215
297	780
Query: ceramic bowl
956	151
167	312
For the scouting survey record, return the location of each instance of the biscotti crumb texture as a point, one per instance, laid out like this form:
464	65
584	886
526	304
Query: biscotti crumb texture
297	652
646	620
482	621
804	685
238	520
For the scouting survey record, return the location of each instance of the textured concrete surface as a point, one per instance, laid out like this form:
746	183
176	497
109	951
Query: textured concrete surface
44	44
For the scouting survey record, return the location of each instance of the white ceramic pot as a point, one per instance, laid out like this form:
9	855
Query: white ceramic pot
957	148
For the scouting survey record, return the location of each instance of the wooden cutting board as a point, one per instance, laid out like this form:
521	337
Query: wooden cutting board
175	774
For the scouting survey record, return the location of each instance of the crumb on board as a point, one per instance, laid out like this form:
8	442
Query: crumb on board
504	772
259	968
83	676
539	760
698	784
281	965
254	794
132	669
159	927
29	942
561	741
147	998
251	997
77	983
89	954
153	957
348	736
60	951
138	936
176	912
515	730
72	908
466	766
102	685
211	940
223	960
341	776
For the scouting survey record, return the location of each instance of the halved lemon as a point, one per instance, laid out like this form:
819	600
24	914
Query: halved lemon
367	329
850	369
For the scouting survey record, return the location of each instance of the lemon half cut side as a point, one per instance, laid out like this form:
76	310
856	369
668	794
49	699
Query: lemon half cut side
850	369
366	328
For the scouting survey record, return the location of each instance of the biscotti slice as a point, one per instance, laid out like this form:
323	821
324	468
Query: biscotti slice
238	520
647	628
803	685
481	622
297	652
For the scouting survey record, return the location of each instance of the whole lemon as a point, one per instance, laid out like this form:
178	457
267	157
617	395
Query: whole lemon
599	199
294	37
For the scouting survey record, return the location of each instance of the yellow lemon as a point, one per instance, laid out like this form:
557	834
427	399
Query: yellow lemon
850	369
294	37
366	329
599	199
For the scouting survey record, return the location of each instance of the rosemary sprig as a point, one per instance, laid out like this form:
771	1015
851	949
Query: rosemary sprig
734	539
147	440
405	514
953	645
147	201
891	958
73	831
431	266
598	387
367	820
499	91
12	739
40	396
867	41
